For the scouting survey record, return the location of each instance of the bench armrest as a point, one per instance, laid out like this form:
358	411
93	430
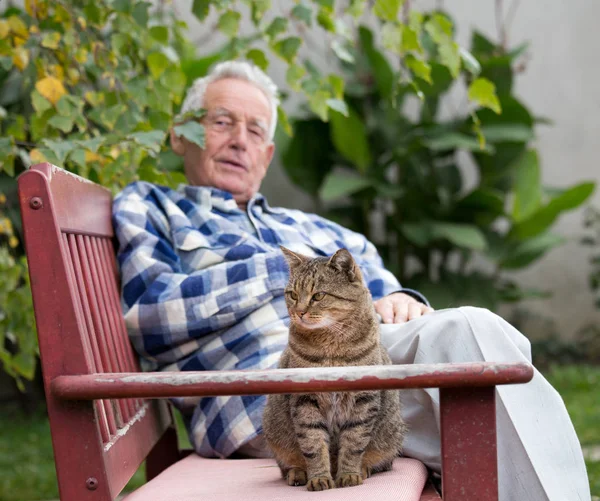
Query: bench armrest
257	382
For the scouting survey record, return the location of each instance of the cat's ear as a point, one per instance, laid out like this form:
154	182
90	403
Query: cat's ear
293	258
342	261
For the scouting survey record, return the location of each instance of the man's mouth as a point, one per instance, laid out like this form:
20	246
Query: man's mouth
232	163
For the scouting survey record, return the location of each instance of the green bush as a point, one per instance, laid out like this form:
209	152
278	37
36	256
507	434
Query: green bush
394	175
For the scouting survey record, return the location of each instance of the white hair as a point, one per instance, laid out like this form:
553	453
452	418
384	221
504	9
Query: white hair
241	70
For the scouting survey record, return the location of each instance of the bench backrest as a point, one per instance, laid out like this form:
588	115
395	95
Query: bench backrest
69	244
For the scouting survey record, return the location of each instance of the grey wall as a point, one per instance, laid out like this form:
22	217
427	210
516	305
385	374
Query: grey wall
560	83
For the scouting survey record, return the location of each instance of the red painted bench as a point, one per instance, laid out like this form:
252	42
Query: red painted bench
106	417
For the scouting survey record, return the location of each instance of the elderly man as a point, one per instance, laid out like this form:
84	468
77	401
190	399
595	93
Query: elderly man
203	281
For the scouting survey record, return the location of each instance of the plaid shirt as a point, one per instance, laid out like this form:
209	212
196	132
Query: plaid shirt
202	289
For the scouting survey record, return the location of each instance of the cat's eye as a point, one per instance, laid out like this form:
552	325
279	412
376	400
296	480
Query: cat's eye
293	295
318	296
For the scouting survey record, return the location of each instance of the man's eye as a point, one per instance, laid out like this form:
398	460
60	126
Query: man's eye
318	296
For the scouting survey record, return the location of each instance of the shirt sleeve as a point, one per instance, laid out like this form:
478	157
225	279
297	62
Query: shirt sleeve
380	281
164	307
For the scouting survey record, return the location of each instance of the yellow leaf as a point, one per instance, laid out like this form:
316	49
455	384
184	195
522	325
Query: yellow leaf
13	242
4	29
81	56
33	29
51	88
37	8
18	27
21	58
56	70
115	152
51	40
82	23
37	156
18	41
91	157
73	76
2	198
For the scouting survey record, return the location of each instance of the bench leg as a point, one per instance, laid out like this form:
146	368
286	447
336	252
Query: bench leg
163	454
469	457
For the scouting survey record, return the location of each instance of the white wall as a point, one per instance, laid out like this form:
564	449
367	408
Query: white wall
561	83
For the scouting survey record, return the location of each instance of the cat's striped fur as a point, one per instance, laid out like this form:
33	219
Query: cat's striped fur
325	440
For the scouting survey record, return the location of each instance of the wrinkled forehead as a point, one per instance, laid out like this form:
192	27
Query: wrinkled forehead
239	97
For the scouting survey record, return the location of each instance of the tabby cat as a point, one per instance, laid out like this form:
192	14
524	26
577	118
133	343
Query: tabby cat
345	436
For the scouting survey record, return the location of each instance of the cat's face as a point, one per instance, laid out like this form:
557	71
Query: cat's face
322	292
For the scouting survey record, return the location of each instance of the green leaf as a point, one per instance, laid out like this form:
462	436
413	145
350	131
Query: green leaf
293	75
258	57
60	149
419	68
200	8
277	26
325	20
544	217
391	37
78	156
283	121
288	48
528	190
229	22
384	76
340	184
91	144
327	4
157	64
507	132
483	92
338	105
450	57
303	13
470	63
6	63
152	140
337	85
318	103
531	250
192	131
356	8
160	34
387	9
341	51
259	7
140	13
308	167
455	140
410	40
7	154
349	136
65	124
39	102
462	235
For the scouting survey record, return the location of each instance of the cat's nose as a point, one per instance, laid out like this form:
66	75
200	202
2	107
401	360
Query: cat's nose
300	313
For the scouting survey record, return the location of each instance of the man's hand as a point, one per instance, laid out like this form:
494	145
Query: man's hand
398	308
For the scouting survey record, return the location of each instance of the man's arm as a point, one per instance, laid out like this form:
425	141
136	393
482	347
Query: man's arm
165	307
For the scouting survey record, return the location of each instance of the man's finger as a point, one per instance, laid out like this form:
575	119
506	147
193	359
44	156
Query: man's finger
386	310
400	313
415	310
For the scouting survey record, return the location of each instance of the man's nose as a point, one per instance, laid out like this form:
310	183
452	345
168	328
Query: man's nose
239	136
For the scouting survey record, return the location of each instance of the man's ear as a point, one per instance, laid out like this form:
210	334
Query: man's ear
177	143
270	150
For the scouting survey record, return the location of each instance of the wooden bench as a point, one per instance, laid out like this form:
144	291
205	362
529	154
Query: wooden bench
106	417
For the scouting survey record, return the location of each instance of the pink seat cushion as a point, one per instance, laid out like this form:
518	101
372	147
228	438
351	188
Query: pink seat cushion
196	479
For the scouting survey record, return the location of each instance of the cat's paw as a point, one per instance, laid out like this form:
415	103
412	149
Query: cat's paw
296	476
348	479
320	484
366	472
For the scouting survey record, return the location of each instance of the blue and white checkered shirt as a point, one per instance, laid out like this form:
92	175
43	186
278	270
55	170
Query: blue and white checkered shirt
202	289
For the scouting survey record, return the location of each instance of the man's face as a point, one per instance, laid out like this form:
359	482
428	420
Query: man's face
238	151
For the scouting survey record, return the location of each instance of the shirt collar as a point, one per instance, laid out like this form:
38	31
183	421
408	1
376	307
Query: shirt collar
214	198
